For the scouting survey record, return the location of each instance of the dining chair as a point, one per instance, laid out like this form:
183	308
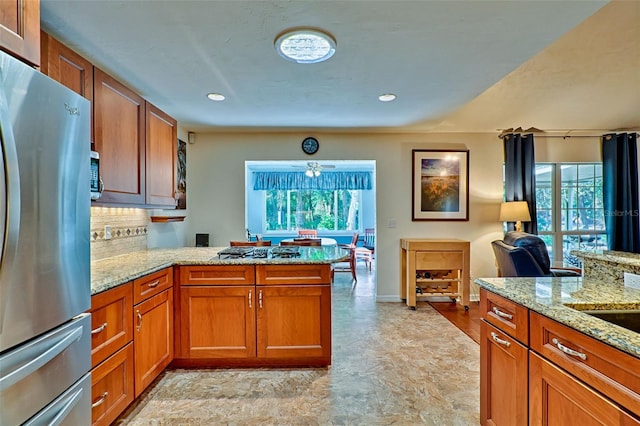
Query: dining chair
369	239
261	243
302	242
351	261
308	233
364	254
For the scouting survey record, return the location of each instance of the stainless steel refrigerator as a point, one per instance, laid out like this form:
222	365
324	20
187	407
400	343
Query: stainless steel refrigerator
45	340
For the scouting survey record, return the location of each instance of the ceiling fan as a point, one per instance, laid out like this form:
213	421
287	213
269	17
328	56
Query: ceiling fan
313	168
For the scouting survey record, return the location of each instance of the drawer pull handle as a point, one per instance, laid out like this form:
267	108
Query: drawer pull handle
139	326
154	284
501	314
102	398
249	299
99	329
260	299
568	351
500	341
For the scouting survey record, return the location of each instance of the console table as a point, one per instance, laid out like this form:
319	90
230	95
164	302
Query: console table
434	267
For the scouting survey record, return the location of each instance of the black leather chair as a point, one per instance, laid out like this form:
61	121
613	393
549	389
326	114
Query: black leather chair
521	254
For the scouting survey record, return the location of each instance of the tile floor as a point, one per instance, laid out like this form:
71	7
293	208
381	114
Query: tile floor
390	366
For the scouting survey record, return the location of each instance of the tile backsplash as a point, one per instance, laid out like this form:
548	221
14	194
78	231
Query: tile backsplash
128	231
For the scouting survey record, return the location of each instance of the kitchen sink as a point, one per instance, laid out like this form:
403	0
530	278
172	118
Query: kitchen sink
626	318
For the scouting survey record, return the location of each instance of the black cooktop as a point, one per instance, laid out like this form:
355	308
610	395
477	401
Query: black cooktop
239	252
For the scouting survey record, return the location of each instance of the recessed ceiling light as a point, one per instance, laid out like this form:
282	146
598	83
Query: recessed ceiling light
216	97
305	45
387	97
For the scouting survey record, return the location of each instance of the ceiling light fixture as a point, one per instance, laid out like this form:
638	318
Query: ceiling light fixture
305	45
313	169
387	97
216	97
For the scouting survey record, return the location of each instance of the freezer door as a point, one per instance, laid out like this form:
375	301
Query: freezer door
45	269
36	373
72	408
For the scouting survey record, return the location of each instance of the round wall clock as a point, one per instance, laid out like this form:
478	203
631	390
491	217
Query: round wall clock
310	145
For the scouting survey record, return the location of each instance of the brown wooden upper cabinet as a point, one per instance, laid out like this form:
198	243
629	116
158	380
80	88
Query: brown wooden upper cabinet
137	142
68	68
119	120
20	29
161	151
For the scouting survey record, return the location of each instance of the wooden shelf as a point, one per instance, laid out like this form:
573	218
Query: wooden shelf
165	219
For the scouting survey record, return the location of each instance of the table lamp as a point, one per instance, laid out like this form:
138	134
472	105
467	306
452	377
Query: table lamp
515	211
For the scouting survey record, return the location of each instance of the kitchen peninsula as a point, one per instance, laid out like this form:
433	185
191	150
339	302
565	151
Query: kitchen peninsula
200	307
545	338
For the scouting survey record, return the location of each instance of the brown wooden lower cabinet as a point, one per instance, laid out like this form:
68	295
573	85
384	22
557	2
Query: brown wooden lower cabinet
153	338
294	321
503	378
227	320
111	326
562	377
558	398
112	386
218	322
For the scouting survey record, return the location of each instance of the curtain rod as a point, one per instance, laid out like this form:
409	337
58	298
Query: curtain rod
543	133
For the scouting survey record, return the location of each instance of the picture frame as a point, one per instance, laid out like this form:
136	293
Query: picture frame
440	184
181	174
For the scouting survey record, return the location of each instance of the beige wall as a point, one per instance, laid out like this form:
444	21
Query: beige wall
215	194
216	197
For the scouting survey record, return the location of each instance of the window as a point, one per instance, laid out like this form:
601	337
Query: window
569	209
290	210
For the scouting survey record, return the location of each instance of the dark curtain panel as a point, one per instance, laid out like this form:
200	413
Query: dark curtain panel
520	176
620	191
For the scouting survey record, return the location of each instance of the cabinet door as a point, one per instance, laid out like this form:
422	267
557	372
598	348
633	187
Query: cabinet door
112	387
162	151
20	29
68	68
503	378
120	139
153	338
294	322
556	398
111	322
218	322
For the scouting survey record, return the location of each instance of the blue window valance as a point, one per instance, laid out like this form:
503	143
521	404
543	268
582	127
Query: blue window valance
327	181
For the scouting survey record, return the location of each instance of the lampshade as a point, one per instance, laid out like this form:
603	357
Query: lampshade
512	211
515	211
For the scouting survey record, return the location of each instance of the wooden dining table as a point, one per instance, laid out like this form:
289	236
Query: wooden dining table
324	241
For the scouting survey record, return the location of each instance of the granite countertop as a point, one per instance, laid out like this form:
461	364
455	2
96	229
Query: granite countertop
556	297
117	270
609	256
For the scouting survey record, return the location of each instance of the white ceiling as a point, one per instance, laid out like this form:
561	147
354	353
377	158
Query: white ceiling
469	65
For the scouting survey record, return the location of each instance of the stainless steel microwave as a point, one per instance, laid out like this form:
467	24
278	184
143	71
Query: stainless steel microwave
96	180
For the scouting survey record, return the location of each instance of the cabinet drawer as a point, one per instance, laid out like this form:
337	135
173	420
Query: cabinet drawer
610	371
508	316
112	386
293	274
217	275
439	260
152	284
111	321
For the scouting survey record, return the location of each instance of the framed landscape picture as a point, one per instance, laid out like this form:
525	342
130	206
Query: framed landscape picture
440	185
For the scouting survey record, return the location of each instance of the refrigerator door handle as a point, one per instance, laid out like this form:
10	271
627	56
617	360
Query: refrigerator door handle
9	199
23	370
